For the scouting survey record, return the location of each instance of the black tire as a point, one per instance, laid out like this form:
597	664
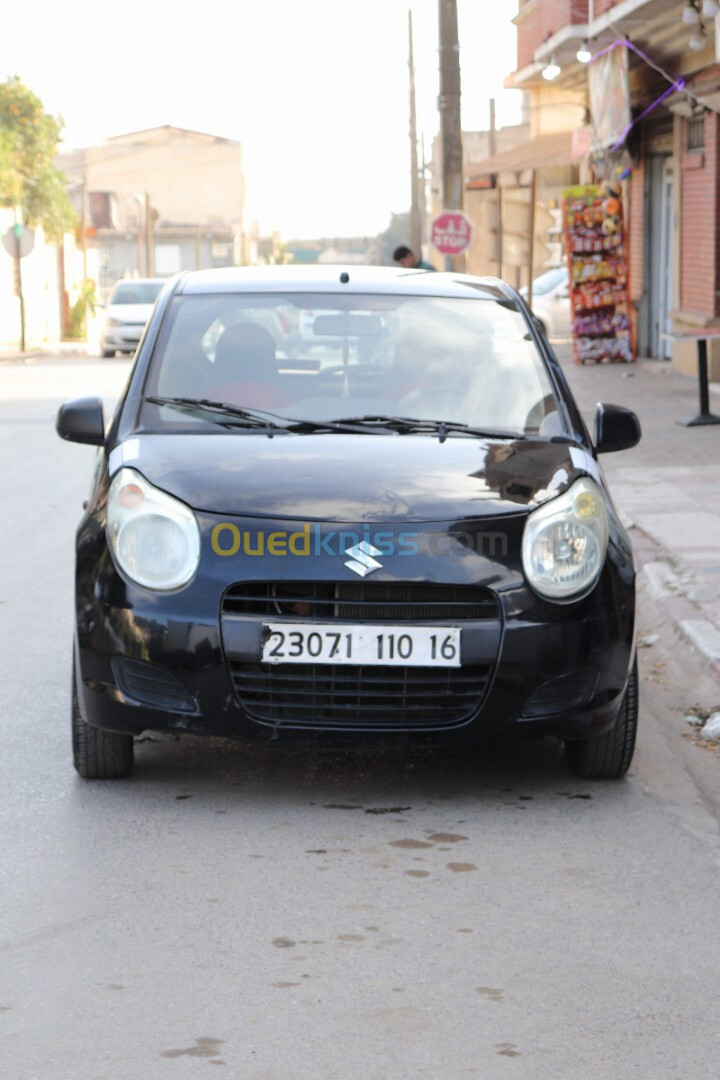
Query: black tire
107	353
97	754
608	756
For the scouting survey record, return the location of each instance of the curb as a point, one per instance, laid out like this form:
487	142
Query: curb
10	356
681	593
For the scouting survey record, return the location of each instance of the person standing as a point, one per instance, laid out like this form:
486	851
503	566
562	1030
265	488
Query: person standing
405	257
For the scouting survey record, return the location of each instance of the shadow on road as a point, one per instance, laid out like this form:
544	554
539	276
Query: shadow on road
372	782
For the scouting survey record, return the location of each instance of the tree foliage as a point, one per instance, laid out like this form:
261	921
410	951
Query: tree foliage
29	139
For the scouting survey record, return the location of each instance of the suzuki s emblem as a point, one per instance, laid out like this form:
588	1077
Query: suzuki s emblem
362	561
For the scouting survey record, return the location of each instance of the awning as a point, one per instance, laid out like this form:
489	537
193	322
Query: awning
542	152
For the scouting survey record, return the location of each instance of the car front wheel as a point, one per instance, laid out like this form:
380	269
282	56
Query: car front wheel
97	754
608	756
107	353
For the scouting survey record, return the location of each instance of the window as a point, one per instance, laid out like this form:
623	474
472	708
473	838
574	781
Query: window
135	292
696	132
549	281
323	356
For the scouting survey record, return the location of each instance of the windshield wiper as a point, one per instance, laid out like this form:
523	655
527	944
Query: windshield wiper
440	427
220	412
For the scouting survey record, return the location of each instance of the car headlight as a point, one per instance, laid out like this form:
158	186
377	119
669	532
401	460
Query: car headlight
113	322
565	541
154	538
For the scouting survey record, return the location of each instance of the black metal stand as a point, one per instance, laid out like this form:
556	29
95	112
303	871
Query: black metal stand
704	416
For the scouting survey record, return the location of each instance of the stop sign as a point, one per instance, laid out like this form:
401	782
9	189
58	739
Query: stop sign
451	232
19	240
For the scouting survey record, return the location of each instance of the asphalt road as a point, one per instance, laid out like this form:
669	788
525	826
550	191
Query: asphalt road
273	915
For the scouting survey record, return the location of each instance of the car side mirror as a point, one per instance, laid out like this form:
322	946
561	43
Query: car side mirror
81	421
616	428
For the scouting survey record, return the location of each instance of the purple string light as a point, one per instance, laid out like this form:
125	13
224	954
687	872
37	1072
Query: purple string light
678	84
604	52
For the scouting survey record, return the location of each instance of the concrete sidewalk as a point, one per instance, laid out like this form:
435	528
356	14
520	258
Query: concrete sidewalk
10	352
667	490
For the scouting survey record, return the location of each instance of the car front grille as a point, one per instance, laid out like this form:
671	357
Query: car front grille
322	696
362	601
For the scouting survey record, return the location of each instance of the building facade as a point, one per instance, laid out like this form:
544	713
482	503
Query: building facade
159	201
480	195
647	74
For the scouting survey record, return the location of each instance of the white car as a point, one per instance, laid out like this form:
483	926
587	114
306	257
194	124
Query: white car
551	302
127	311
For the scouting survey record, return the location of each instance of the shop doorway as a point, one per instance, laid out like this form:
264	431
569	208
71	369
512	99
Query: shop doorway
659	255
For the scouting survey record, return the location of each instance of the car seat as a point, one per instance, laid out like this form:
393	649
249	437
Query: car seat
245	367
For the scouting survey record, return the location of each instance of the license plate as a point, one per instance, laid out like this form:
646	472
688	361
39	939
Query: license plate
382	645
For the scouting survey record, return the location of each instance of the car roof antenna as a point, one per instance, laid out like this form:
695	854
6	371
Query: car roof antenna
344	277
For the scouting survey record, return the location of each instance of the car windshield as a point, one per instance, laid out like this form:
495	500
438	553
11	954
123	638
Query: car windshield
135	292
548	281
326	357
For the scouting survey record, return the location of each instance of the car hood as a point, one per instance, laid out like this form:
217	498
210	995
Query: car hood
334	477
129	313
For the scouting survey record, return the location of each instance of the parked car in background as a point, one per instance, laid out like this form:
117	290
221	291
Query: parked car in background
551	302
126	314
406	538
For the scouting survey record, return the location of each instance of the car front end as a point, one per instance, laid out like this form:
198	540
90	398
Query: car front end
120	335
125	317
319	557
347	628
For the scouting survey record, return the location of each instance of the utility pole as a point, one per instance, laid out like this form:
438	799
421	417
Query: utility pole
148	236
83	244
492	148
450	125
83	228
415	220
492	133
531	236
424	164
18	282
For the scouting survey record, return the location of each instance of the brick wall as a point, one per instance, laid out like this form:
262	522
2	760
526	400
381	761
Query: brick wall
601	6
540	19
700	223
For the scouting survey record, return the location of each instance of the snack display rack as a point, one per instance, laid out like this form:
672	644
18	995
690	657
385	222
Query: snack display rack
596	248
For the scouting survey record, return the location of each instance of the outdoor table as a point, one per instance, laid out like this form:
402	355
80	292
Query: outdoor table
704	416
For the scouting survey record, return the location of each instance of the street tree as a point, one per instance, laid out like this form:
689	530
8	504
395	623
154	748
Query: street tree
29	139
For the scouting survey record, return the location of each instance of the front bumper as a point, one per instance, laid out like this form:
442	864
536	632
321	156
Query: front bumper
123	338
190	661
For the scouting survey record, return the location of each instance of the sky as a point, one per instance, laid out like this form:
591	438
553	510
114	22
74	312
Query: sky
315	90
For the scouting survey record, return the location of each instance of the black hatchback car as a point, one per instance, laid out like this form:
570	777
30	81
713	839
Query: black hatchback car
350	507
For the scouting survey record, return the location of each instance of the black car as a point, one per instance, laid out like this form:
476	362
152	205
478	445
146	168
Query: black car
402	535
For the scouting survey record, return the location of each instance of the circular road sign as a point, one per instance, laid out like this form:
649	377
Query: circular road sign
451	232
26	237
